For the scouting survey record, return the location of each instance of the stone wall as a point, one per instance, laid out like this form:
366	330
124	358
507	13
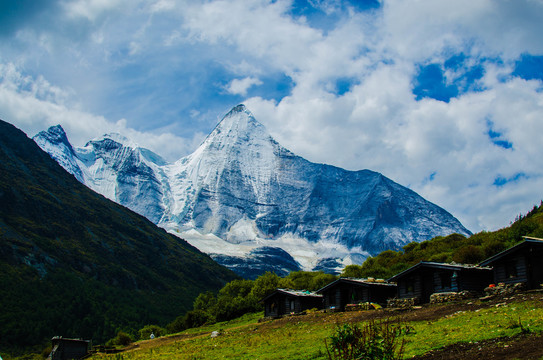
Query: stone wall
438	298
402	303
504	289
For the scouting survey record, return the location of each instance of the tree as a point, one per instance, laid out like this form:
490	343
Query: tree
265	284
236	288
469	254
320	280
196	318
354	271
205	301
305	280
145	332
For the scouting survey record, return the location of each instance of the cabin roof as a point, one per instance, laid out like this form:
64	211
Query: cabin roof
435	265
295	293
355	281
527	241
68	340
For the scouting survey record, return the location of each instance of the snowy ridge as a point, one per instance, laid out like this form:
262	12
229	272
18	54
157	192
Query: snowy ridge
247	201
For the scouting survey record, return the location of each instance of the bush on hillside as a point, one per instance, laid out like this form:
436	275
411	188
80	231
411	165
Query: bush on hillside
469	254
145	332
353	271
122	339
265	284
306	280
372	341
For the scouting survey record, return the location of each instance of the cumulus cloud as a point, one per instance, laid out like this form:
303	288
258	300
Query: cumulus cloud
442	150
240	86
33	105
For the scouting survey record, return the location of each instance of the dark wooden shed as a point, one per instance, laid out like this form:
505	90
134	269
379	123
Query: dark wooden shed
284	301
67	349
344	291
426	278
522	263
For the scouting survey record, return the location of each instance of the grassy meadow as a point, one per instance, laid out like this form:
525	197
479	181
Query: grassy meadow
303	337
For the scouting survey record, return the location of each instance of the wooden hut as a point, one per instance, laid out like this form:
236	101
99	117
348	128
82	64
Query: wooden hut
522	263
66	349
284	301
343	292
426	278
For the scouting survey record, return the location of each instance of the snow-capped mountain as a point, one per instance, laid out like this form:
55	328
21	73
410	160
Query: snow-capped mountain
251	203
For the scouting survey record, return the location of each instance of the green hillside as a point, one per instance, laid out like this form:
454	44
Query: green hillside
75	264
455	247
472	329
502	327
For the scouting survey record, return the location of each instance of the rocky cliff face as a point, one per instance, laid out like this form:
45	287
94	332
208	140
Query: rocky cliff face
241	190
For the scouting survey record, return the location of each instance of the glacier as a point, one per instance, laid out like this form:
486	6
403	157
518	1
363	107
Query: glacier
252	204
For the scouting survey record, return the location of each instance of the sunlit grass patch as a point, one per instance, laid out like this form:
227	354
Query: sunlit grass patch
466	326
303	337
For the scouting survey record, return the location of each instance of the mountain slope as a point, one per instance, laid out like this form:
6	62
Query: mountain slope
73	263
241	190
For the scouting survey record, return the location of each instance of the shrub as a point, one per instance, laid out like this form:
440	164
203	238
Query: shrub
354	271
196	318
205	301
265	284
177	325
371	341
469	254
146	331
122	338
441	257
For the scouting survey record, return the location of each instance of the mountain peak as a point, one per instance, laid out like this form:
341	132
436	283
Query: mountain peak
55	142
55	134
237	127
238	109
239	119
245	188
118	138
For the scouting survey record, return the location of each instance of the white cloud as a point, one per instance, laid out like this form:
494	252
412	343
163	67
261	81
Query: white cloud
34	105
162	5
240	86
441	150
421	30
257	28
90	9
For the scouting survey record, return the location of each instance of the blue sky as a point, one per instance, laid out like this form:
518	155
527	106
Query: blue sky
443	97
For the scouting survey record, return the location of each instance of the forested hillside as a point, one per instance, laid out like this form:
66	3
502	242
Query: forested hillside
75	264
455	247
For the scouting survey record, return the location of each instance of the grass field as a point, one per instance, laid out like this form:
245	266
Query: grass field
303	337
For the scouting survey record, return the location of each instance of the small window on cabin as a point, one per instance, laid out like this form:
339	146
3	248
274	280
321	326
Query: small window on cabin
445	280
511	269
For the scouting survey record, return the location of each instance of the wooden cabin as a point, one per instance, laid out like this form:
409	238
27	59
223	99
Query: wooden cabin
67	349
522	263
283	302
426	278
347	291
